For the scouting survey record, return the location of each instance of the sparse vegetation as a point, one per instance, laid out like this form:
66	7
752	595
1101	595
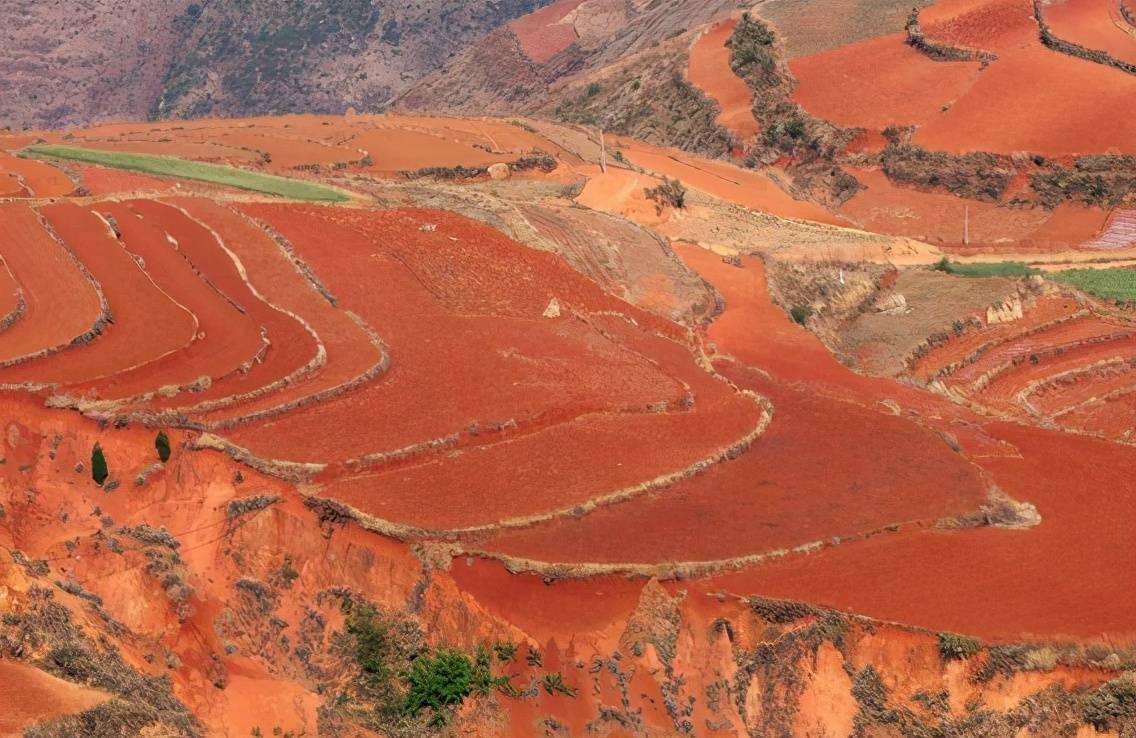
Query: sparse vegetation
554	684
168	166
671	192
955	647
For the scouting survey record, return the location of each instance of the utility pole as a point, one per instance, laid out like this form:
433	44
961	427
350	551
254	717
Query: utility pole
603	153
966	227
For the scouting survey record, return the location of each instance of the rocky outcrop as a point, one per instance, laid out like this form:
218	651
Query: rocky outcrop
1006	311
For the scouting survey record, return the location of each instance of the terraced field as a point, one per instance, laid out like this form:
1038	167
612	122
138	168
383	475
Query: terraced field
384	395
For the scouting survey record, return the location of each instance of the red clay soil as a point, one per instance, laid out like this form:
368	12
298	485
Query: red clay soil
878	83
41	178
1039	578
549	470
1112	418
543	34
993	583
1053	360
291	345
147	323
824	468
226	338
487	354
349	351
742	186
62	304
105	181
395	150
1096	24
12	186
1043	101
710	71
1064	335
938	217
31	696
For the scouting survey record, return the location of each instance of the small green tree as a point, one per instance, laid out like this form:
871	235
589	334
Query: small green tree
439	680
162	443
99	471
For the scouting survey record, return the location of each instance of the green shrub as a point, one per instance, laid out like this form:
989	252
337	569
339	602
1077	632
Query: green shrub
438	681
375	651
505	650
955	647
99	470
994	269
800	313
554	684
162	444
592	90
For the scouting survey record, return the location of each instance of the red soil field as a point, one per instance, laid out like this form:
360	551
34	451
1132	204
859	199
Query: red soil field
11	186
824	468
995	584
710	71
291	345
1096	24
349	352
481	297
395	150
1054	360
105	181
1067	334
62	304
42	179
879	83
147	323
548	470
1112	418
1110	376
1043	101
226	338
544	33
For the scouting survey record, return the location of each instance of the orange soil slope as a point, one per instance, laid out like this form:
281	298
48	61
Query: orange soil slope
32	696
710	71
62	303
1037	576
146	325
1096	24
226	337
1030	99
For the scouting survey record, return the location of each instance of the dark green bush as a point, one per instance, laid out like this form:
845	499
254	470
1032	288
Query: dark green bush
162	444
437	681
800	313
99	470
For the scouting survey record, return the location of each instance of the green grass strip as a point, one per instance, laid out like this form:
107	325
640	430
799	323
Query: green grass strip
169	166
1109	284
995	269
